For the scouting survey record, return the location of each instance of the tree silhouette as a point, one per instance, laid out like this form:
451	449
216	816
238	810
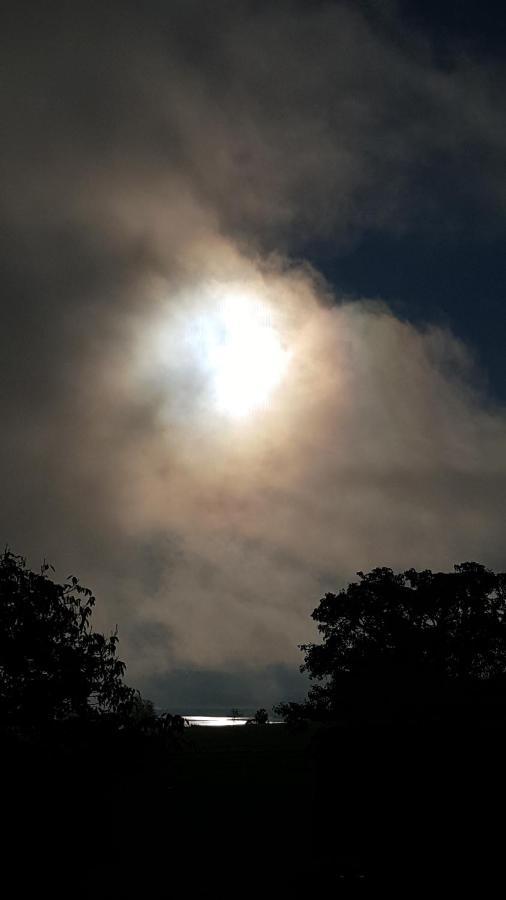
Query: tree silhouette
84	756
409	681
52	664
408	637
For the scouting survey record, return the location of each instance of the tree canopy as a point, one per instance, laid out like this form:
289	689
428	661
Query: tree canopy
52	664
394	634
409	678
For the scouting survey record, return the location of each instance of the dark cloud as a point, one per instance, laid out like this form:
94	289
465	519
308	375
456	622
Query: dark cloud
151	152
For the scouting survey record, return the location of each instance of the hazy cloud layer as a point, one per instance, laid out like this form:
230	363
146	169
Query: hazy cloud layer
151	157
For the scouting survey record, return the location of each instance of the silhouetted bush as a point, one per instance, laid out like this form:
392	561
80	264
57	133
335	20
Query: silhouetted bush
261	717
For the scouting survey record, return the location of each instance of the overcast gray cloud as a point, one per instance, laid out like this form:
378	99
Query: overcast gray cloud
150	158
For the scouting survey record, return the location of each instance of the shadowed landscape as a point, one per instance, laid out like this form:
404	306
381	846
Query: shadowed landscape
390	768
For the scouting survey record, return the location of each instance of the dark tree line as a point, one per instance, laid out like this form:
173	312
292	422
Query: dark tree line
408	700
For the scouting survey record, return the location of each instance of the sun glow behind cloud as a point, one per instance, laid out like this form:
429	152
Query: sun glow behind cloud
221	350
244	354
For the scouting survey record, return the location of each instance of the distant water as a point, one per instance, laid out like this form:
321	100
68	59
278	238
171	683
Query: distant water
214	720
214	717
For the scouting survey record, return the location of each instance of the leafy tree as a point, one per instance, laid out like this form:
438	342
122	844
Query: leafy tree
52	664
410	680
407	636
409	677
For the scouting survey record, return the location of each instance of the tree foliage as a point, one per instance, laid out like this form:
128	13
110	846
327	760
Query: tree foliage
395	634
52	664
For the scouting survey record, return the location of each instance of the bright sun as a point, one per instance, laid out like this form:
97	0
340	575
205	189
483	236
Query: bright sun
245	355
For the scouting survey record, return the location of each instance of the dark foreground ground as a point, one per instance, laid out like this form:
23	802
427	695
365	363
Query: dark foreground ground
232	815
239	810
221	809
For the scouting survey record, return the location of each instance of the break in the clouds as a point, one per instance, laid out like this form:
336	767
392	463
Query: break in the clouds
157	160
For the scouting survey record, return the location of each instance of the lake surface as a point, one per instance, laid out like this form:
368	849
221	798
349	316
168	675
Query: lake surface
213	716
214	721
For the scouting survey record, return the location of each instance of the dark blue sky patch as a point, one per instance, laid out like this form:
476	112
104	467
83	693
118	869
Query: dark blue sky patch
452	280
475	27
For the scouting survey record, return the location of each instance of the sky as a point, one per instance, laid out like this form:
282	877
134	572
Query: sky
252	315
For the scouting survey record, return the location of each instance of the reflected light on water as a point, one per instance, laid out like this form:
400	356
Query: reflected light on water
214	720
